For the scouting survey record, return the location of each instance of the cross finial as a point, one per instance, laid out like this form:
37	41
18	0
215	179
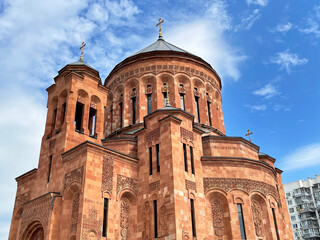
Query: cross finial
167	100
248	134
83	45
159	24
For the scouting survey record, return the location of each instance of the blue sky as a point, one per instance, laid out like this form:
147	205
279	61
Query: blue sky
266	52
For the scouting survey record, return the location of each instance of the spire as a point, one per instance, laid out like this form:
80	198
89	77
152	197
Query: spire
83	45
159	24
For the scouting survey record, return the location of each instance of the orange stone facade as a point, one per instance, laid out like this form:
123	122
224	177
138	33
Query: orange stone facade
159	153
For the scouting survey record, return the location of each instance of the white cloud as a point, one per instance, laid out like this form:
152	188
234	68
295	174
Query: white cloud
287	60
267	91
312	23
248	20
210	40
284	27
261	3
257	107
278	107
303	157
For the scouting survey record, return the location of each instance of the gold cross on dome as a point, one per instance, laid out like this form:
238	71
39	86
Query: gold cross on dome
159	24
248	134
83	45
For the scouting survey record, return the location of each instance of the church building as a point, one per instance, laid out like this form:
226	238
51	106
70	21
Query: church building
146	156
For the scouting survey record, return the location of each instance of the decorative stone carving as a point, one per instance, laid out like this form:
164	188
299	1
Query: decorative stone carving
148	90
74	175
163	221
146	221
191	185
186	134
133	94
40	209
52	143
74	213
217	217
93	105
22	198
257	217
38	235
107	174
208	98
153	135
80	99
185	234
154	186
182	90
124	218
91	224
165	89
196	93
155	69
124	182
246	185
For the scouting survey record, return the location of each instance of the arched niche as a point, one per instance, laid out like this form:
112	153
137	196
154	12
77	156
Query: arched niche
70	210
218	210
81	110
34	231
118	107
184	92
95	116
131	100
164	79
128	215
148	98
108	116
261	221
62	107
15	225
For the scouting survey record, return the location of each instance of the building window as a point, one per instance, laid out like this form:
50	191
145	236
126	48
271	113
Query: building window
165	94
92	121
54	118
288	194
64	107
191	159
182	98
185	157
291	210
294	226
121	114
150	160
289	202
209	111
105	217
111	117
155	215
196	99
241	222
133	99
78	116
275	223
49	170
149	103
158	158
293	218
193	221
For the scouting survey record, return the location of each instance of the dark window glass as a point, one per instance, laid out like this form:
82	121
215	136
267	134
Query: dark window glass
192	161
92	121
197	108
193	220
49	170
275	223
111	118
105	217
209	112
121	114
150	160
149	103
165	98
241	222
158	158
64	107
182	101
155	215
78	116
133	110
54	118
185	157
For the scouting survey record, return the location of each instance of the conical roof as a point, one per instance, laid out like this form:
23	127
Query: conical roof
161	45
80	62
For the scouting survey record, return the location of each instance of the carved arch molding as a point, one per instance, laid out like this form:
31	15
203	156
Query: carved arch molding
246	185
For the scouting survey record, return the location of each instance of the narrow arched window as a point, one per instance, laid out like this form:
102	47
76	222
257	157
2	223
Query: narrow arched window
196	99
149	98
133	99
181	92
209	109
78	116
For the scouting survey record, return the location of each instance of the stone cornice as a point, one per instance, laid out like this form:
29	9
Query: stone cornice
28	175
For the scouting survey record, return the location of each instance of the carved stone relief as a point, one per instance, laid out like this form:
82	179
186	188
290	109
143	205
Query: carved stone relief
186	134
80	99
154	186
52	143
91	224
38	235
74	175
153	135
247	185
124	182
257	217
163	221
191	185
124	218
146	221
74	213
217	217
107	174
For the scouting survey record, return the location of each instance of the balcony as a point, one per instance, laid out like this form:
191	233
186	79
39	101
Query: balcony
301	201
309	226
300	194
309	217
311	235
306	209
